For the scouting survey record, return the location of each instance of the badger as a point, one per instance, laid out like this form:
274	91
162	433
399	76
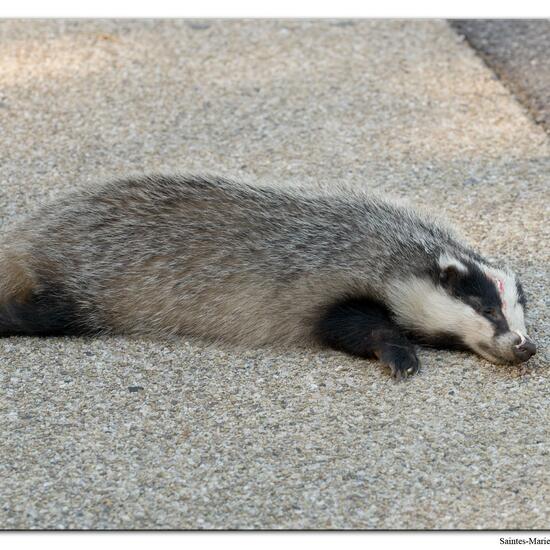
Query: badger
257	265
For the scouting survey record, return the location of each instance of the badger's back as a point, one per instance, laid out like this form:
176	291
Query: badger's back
209	257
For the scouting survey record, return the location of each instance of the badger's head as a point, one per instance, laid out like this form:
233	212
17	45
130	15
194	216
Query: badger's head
464	303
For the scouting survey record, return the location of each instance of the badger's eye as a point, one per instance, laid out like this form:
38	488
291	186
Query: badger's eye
490	312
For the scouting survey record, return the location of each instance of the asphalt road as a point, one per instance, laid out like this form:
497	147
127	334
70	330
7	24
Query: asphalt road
518	50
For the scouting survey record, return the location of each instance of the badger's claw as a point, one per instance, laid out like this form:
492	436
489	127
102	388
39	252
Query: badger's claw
403	363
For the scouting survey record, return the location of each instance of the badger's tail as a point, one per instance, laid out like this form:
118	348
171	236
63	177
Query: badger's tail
33	307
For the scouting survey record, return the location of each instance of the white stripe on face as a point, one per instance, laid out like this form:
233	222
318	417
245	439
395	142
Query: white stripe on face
505	283
422	306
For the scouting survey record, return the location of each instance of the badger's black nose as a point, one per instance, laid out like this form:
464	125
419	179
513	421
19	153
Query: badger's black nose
525	350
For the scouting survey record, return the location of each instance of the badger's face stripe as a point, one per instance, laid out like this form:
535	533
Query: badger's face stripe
427	309
467	302
511	295
474	287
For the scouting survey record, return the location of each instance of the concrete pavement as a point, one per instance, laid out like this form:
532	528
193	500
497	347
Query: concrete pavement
133	433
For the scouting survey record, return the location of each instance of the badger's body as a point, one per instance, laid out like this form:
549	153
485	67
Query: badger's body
255	265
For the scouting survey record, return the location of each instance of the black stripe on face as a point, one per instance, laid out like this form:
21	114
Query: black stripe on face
477	290
521	295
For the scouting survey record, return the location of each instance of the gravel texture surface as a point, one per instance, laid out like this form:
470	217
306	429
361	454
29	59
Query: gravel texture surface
134	433
518	50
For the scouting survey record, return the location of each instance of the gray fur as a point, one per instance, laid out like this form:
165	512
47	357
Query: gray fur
220	259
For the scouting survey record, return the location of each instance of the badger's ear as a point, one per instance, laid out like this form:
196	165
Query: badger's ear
450	270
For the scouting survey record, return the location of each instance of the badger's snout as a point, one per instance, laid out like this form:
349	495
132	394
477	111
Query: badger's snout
525	349
512	347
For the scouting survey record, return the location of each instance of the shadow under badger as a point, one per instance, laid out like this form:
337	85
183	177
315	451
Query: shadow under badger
256	265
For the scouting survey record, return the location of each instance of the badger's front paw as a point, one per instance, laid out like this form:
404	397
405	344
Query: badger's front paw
402	361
